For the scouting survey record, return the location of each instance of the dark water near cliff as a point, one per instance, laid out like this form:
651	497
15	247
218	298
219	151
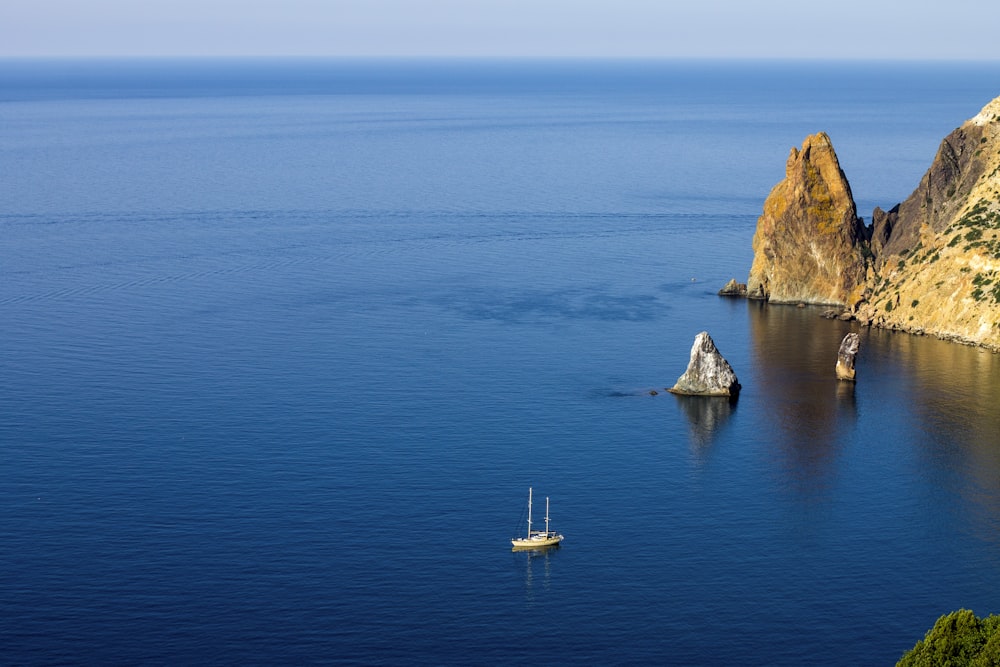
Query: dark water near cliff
284	344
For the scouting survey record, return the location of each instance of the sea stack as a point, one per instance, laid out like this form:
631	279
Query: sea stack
845	357
708	373
928	265
808	247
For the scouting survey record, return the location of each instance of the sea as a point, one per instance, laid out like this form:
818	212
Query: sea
284	343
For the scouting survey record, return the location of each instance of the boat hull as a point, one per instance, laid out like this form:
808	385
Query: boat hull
536	541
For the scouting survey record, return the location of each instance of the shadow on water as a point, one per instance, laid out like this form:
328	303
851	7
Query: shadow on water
707	416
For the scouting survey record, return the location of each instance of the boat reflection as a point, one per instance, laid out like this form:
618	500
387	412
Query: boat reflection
538	565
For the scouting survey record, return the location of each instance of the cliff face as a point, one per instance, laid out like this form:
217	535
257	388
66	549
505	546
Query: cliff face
943	190
809	239
932	264
939	272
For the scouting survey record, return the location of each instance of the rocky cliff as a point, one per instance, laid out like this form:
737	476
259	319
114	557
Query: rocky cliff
939	271
930	265
808	247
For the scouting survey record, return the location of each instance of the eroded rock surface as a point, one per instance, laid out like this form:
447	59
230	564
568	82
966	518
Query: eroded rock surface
809	239
708	373
733	288
929	265
939	270
845	356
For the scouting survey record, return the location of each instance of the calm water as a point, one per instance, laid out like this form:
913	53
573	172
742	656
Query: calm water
284	343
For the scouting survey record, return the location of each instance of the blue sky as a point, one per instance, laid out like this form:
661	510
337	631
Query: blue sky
897	29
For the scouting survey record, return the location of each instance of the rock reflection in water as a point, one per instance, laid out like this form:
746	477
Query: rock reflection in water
706	415
948	417
795	355
935	400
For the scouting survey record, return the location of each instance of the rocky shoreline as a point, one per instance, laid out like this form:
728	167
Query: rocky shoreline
930	265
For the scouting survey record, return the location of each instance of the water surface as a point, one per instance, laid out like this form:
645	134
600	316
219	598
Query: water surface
286	342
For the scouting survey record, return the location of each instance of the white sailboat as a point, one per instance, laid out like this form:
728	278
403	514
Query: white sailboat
537	538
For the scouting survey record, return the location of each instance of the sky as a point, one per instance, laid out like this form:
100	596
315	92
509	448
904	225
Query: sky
826	29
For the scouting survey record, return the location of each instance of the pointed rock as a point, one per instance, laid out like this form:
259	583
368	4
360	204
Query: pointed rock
809	239
708	373
882	225
845	357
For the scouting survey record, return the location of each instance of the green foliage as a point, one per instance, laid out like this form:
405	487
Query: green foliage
959	639
888	306
914	303
979	216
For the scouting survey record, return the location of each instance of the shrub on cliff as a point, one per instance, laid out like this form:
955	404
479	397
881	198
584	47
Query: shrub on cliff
957	640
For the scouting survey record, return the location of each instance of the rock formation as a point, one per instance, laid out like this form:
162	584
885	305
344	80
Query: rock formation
809	243
939	272
733	288
944	189
883	223
845	357
930	264
708	373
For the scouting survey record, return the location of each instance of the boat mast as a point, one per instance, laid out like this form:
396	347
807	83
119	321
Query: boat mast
546	516
529	511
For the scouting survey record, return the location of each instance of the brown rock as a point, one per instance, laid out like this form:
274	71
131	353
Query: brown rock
733	288
809	239
939	273
943	190
883	223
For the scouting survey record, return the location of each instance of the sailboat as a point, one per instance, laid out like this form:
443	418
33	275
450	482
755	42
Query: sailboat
537	538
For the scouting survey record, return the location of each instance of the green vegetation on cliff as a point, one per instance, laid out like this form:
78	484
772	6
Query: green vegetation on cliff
929	265
957	640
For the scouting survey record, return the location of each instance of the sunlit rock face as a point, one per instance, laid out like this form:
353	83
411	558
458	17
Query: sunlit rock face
939	270
708	373
809	243
733	288
929	265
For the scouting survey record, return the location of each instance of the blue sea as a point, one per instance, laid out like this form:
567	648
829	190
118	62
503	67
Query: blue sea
284	343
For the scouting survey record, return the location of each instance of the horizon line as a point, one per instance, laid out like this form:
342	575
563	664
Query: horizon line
502	57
